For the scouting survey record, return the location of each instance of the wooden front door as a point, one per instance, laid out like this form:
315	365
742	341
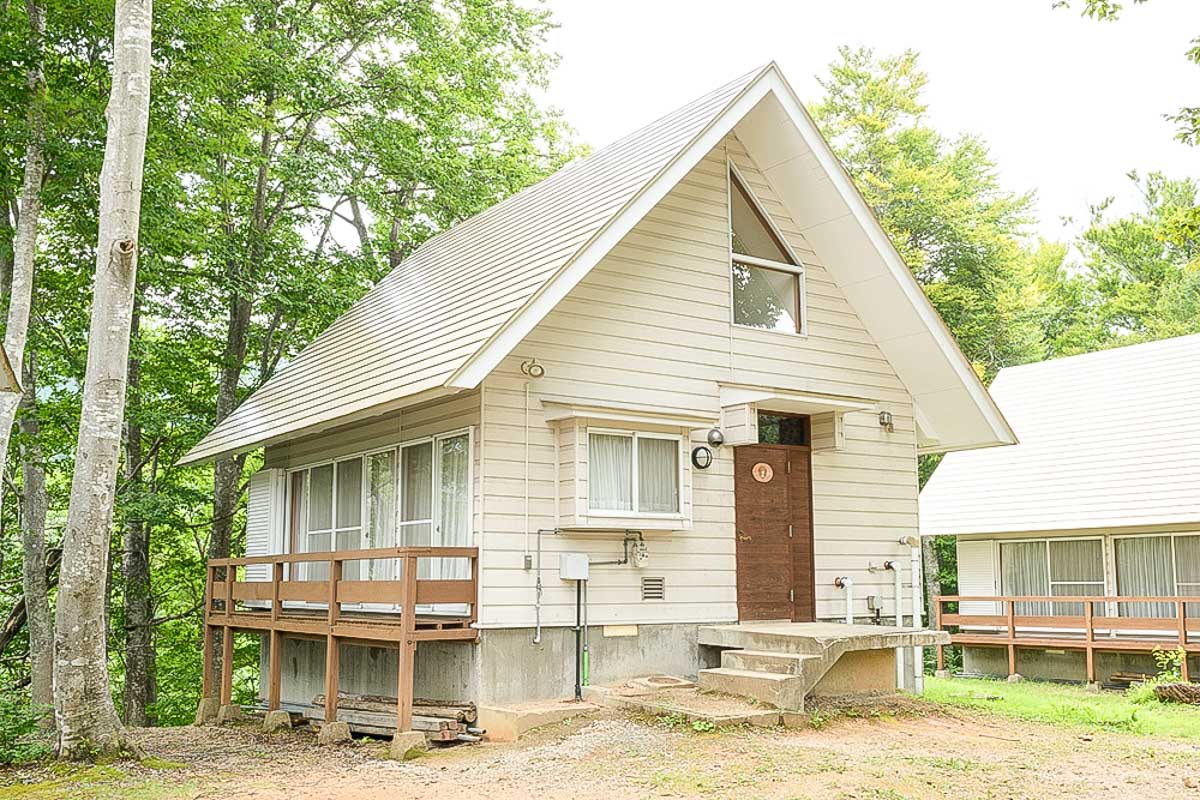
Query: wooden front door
773	503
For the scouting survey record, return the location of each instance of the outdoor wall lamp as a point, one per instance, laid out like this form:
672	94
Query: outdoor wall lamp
885	421
716	438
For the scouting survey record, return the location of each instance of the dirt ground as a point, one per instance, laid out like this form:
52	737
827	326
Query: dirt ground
908	752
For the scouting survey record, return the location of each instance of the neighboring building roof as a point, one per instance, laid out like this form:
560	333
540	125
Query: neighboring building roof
442	320
1108	439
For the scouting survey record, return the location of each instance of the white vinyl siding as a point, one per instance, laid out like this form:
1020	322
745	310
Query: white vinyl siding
650	327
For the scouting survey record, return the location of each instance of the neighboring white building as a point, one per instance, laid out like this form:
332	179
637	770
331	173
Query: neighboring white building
1100	498
543	378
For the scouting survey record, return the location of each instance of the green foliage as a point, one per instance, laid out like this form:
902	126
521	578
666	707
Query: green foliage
21	737
1067	705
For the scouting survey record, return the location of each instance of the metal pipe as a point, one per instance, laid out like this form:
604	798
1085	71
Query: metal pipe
848	585
537	601
899	595
918	652
587	666
578	641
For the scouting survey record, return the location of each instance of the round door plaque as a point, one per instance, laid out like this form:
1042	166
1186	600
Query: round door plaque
762	472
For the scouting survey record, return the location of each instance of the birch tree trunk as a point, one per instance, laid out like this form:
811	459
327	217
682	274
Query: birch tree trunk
87	720
25	238
34	583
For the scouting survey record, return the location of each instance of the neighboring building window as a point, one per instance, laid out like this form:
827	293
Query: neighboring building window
415	496
633	473
782	428
1157	566
1052	567
767	278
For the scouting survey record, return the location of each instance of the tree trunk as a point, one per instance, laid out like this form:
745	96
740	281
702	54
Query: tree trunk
135	563
87	720
933	582
34	583
25	239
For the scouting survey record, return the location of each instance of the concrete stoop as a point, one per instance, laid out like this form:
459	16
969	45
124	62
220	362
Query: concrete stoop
509	723
783	663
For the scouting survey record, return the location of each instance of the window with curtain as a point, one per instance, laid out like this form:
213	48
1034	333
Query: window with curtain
1157	566
417	495
1053	567
1187	570
633	472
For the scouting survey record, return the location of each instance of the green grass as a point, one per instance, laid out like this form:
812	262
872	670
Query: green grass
1067	705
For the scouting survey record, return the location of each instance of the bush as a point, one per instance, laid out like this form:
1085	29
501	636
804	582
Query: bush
21	737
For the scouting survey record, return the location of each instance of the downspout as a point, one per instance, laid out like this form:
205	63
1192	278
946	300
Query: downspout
848	585
899	595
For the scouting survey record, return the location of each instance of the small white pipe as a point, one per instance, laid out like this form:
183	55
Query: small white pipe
918	652
899	595
848	585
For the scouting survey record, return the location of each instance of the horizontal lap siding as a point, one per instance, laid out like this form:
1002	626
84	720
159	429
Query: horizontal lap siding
650	327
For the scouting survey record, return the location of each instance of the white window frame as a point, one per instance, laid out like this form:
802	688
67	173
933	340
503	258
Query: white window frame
635	435
1045	540
795	268
363	455
1174	559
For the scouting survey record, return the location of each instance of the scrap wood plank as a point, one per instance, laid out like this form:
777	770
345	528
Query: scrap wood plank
459	712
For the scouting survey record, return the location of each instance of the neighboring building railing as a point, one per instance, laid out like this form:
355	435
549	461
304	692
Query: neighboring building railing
285	599
1090	624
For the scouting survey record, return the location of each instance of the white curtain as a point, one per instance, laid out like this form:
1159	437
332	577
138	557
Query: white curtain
319	538
610	472
1187	570
1144	569
658	475
349	534
381	511
1077	568
1024	571
454	515
416	500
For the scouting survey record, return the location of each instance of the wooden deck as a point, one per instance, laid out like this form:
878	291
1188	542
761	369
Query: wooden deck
1096	624
333	609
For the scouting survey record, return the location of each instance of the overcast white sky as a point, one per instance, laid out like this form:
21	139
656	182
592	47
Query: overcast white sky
1067	105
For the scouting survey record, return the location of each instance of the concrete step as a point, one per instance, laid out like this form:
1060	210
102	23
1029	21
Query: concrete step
780	690
764	661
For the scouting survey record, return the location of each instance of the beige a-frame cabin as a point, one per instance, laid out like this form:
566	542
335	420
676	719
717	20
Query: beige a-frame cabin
693	360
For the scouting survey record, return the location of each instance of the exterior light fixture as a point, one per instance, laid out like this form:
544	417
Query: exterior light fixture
702	457
532	368
716	438
885	421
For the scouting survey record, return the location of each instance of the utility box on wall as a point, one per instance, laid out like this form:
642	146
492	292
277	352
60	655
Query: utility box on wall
573	566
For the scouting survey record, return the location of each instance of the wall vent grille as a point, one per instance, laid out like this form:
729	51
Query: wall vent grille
654	588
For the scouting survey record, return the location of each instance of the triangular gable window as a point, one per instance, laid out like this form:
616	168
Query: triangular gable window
767	278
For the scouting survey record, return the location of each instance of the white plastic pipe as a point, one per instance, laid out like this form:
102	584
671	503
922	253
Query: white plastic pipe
899	595
848	585
918	652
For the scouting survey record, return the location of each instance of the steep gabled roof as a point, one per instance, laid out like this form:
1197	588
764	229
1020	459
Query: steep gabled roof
443	319
1108	439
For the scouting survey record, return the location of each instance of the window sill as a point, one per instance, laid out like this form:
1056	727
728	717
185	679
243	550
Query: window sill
772	331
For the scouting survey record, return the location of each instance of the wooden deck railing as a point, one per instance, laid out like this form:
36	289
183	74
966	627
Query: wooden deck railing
1089	624
288	601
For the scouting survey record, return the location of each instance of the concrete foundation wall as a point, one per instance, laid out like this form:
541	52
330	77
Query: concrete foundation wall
515	669
444	670
1059	665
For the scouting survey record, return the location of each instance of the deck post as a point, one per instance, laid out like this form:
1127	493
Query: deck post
1181	618
275	671
407	647
937	626
206	680
226	665
230	574
1089	636
1012	636
332	645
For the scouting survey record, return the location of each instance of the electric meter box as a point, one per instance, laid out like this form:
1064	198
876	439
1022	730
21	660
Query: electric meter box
573	566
